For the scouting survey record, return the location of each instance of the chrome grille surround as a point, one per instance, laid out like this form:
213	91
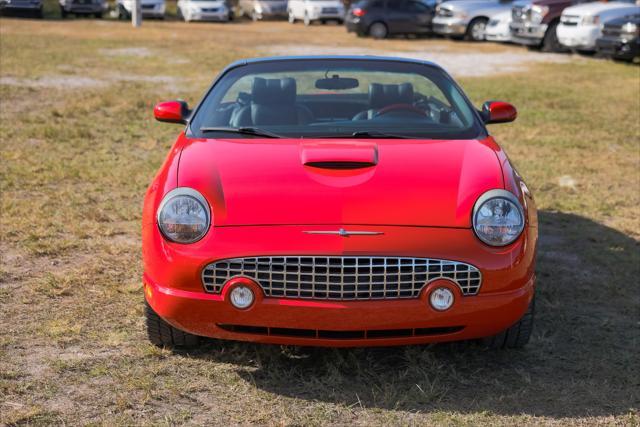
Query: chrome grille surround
341	278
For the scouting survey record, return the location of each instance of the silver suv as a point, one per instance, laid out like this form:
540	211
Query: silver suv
467	19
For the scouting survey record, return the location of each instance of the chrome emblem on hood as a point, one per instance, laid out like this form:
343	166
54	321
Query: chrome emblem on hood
344	233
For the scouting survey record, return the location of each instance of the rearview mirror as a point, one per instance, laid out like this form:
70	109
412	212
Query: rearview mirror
337	83
172	112
498	112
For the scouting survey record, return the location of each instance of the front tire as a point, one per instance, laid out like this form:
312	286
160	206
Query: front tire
476	30
550	43
517	336
162	334
378	30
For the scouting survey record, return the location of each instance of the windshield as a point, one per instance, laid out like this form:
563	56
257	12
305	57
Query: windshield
338	98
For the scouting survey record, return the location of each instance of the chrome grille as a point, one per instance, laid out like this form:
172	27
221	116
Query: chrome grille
612	30
520	13
341	278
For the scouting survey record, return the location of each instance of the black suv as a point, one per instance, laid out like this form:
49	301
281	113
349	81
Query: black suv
620	38
381	18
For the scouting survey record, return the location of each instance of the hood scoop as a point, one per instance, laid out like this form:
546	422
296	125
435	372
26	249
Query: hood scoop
339	155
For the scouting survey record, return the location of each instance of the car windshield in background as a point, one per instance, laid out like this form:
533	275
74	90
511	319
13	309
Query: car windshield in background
336	99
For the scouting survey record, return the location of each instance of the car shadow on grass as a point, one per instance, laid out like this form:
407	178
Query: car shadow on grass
582	359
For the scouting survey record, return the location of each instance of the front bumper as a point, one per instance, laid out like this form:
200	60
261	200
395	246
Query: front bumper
581	37
619	48
449	26
209	16
498	33
22	6
84	8
527	33
173	287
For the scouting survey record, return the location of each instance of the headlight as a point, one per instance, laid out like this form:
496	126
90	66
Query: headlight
630	28
538	13
498	218
184	216
591	20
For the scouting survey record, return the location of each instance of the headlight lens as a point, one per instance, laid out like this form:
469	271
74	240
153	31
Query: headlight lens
538	13
184	216
630	28
498	218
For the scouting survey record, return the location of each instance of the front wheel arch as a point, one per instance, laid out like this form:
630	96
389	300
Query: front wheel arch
474	21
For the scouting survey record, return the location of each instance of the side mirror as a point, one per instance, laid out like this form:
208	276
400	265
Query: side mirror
172	112
498	112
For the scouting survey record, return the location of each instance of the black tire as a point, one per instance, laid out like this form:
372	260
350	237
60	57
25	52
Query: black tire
550	43
98	15
63	13
517	336
162	334
378	30
476	30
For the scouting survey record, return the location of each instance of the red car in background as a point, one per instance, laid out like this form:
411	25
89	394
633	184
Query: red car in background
338	201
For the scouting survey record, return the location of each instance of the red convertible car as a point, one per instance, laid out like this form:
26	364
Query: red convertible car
338	201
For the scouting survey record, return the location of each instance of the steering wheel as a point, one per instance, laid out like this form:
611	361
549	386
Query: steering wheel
400	107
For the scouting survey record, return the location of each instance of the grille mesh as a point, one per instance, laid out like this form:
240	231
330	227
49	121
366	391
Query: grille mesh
341	278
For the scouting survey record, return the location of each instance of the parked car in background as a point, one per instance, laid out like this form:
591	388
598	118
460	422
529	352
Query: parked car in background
83	7
535	24
204	10
32	8
498	27
620	38
309	11
581	25
381	18
150	9
262	9
467	19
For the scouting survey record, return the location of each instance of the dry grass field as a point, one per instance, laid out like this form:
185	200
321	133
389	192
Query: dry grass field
79	146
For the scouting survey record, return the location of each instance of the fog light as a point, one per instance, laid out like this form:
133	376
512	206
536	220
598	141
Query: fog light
241	297
441	299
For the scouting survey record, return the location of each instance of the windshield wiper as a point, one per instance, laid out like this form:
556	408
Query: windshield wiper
375	134
242	130
362	134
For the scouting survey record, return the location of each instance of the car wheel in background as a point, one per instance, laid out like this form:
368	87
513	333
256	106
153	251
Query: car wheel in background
378	30
162	334
550	43
307	20
517	336
98	15
63	13
39	14
477	29
292	18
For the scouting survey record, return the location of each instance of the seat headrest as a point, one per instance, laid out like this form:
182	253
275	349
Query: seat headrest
382	95
273	91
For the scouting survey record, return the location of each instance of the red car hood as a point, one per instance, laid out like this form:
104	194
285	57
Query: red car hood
368	182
